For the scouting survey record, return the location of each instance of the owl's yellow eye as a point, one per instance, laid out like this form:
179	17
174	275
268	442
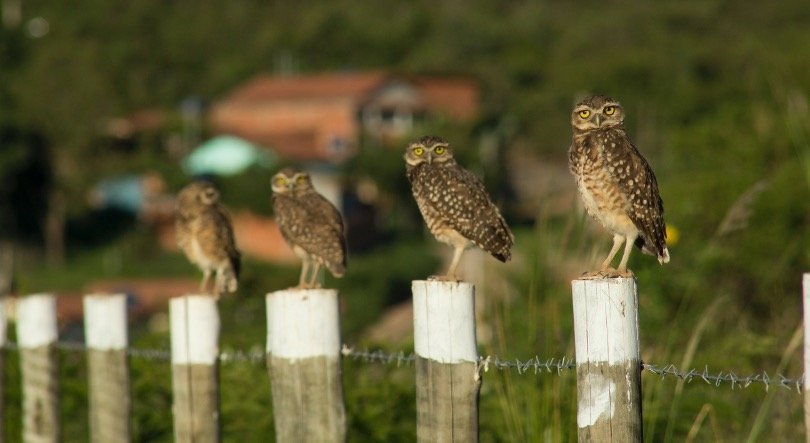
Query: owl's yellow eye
302	178
609	110
280	181
584	113
439	150
418	151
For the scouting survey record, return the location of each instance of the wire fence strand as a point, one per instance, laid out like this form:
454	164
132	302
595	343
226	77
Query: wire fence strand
535	365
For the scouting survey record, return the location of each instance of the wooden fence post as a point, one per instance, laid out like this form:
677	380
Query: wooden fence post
447	380
303	359
105	334
36	336
806	384
608	363
195	371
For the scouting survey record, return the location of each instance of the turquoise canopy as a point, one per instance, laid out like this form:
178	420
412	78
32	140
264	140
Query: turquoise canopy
226	155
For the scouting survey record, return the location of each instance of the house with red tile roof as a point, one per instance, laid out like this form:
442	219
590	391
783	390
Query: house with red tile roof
320	117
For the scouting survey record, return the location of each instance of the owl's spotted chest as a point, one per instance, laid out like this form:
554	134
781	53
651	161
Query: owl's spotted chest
440	207
196	254
596	177
193	244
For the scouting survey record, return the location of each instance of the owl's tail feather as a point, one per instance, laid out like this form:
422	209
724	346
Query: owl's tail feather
236	264
499	245
663	257
661	252
503	255
227	280
337	269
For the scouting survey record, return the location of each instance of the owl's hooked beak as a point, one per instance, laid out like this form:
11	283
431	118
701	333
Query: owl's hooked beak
430	157
598	119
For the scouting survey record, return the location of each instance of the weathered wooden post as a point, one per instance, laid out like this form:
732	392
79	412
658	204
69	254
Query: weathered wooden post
447	381
36	336
608	363
806	384
195	371
105	334
303	359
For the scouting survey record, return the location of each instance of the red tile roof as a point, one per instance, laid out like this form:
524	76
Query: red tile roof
271	88
299	116
458	97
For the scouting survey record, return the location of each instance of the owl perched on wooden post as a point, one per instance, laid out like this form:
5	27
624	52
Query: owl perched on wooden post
205	235
617	185
454	203
311	225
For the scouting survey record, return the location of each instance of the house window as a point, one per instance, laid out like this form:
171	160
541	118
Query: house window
338	145
388	121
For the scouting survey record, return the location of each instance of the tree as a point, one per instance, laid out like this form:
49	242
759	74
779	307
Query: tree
61	92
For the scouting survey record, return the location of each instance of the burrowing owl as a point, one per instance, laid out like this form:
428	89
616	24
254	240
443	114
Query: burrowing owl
616	183
205	234
454	203
311	225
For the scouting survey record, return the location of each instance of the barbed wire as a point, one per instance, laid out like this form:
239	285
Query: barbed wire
535	365
727	377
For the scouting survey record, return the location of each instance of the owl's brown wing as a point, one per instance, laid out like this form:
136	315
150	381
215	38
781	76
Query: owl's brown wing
324	211
216	224
181	229
314	225
459	197
287	212
327	212
637	181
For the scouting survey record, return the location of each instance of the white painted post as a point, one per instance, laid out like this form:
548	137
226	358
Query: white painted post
36	336
105	332
195	357
447	382
806	385
303	360
608	362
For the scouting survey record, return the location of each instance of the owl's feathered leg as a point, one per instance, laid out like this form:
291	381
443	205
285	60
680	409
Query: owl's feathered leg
303	278
204	282
458	251
219	283
622	270
229	281
605	271
617	243
313	283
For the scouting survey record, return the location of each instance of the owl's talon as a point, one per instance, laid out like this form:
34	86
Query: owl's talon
452	278
627	273
592	275
607	273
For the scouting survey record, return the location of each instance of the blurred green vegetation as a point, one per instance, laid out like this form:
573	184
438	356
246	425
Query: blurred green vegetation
716	94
